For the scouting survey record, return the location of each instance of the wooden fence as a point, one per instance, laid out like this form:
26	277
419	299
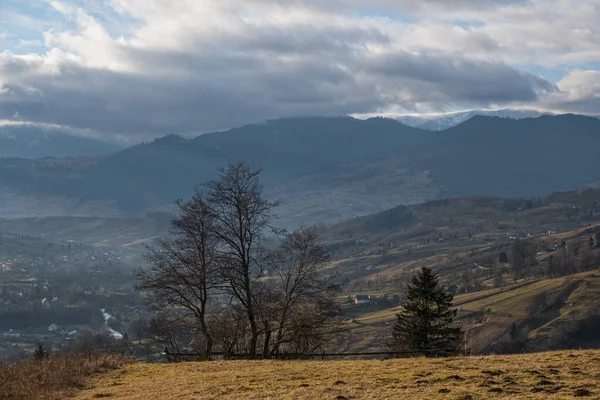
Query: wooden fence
193	357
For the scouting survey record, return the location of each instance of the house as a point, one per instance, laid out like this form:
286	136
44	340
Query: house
11	334
361	299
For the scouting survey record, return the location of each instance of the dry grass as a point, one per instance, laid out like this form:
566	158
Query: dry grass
556	375
54	378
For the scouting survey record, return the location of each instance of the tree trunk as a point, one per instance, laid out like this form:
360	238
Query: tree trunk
207	337
266	350
209	345
253	340
279	336
253	333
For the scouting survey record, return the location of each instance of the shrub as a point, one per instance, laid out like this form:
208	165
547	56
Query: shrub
54	378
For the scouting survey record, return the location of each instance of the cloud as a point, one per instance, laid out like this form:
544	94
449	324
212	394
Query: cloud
142	68
441	79
579	92
223	90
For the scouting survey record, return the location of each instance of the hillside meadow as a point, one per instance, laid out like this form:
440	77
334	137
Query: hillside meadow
543	311
552	375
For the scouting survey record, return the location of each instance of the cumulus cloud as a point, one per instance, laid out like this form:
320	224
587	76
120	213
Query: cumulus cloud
142	68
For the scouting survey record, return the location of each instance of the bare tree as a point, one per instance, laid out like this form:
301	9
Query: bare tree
170	330
229	327
183	269
296	267
311	326
139	327
215	249
241	216
268	300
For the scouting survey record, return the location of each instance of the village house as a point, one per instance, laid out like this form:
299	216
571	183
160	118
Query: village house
361	299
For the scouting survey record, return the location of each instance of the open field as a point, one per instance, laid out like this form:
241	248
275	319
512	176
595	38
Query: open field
554	375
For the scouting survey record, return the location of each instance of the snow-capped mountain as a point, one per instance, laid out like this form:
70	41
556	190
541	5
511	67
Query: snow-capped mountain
440	122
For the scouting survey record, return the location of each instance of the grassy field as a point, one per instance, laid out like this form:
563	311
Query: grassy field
554	375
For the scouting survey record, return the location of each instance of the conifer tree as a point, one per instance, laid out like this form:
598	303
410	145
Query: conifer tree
41	353
425	322
503	258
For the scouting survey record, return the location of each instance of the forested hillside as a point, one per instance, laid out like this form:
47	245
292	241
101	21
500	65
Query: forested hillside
327	169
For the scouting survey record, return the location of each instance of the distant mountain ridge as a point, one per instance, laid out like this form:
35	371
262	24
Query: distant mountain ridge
440	122
329	169
34	142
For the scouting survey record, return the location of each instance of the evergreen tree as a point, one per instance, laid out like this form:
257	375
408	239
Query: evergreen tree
425	322
41	353
513	331
503	258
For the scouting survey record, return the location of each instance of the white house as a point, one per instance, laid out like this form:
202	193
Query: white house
361	299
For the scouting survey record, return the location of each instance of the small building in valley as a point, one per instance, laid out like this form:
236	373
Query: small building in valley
361	299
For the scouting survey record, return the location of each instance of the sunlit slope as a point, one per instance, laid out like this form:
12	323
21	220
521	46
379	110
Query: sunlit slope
559	375
539	309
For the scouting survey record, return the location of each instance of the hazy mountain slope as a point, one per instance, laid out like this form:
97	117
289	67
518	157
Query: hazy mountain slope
507	158
298	146
33	142
159	172
327	169
113	232
152	174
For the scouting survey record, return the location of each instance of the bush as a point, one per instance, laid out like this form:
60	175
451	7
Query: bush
54	378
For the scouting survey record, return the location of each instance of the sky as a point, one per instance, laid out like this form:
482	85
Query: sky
138	69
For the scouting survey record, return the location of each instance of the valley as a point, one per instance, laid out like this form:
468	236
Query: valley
387	200
546	287
305	199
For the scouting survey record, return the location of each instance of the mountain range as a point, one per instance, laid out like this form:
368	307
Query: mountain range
322	169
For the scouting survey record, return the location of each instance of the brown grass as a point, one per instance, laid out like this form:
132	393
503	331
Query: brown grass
554	375
54	378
